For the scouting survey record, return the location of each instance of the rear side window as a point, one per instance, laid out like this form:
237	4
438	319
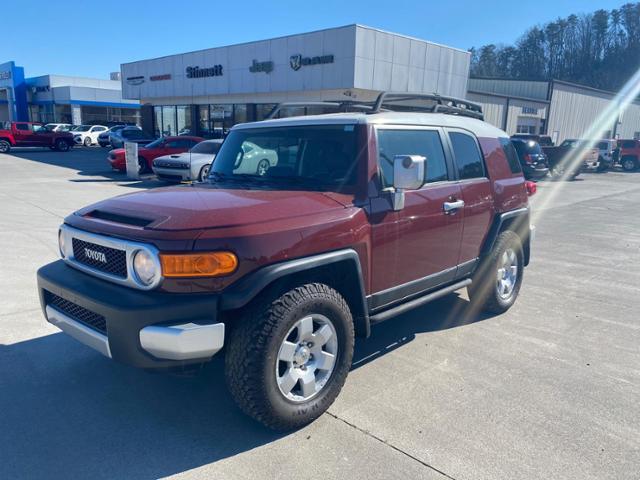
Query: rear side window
511	154
411	142
23	126
627	144
467	155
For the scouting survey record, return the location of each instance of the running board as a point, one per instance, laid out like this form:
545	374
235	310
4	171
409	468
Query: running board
405	307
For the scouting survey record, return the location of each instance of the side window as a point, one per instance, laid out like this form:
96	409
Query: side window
23	126
511	154
186	144
411	142
467	156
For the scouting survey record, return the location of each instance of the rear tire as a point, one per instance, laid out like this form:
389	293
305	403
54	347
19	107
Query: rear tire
629	164
289	355
62	146
142	166
497	282
5	147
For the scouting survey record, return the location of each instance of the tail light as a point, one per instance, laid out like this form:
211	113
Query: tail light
528	159
531	187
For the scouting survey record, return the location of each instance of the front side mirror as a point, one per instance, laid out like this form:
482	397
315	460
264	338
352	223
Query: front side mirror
408	174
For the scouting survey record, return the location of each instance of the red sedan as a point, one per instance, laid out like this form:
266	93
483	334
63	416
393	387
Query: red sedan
157	148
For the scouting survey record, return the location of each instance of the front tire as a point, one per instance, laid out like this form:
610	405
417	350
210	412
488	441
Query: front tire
204	173
143	167
5	147
629	164
497	282
87	142
289	356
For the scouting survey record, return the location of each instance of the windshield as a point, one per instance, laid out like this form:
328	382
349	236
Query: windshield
210	148
155	143
530	147
133	134
309	157
82	128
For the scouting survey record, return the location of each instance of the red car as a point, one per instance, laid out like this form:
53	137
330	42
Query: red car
362	216
29	134
157	148
629	154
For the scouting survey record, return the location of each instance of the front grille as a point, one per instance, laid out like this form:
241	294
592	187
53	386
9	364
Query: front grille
164	164
104	259
78	313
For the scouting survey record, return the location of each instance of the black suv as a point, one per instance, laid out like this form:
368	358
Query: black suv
532	158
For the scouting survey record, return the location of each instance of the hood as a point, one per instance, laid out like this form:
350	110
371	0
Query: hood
200	207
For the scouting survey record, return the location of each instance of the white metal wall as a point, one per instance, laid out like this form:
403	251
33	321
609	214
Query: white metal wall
629	126
521	111
493	107
511	88
575	109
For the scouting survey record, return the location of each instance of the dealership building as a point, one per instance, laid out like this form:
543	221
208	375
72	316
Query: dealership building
63	99
555	108
206	92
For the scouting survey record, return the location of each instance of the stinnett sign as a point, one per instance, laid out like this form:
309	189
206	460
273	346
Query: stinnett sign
197	72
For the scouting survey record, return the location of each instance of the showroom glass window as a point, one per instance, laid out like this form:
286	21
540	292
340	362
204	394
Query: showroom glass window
169	122
184	120
467	155
411	142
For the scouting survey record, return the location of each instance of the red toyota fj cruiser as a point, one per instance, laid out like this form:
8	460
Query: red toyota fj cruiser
367	213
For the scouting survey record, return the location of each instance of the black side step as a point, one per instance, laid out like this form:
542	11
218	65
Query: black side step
405	307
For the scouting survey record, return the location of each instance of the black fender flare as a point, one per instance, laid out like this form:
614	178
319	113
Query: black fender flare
517	220
240	293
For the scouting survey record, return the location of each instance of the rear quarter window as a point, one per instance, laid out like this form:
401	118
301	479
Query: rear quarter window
467	155
511	155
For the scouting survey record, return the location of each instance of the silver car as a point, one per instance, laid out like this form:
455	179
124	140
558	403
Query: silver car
191	165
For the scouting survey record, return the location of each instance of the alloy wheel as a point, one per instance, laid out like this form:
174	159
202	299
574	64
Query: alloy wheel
507	274
306	358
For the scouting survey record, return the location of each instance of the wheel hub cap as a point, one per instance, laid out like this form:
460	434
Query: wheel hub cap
306	358
507	275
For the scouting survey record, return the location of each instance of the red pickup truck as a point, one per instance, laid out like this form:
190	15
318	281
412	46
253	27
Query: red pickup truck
29	134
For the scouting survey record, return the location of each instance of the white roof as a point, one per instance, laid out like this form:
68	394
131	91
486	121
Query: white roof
478	127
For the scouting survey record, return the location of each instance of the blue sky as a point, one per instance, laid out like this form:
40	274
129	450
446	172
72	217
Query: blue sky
93	38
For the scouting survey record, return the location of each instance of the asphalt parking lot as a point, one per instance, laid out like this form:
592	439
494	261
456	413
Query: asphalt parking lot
551	389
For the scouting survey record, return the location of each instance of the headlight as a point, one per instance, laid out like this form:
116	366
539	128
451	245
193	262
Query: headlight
144	267
61	243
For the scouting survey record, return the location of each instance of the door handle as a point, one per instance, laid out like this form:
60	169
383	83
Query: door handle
452	207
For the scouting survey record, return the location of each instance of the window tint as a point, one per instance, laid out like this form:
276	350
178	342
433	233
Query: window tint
627	144
467	155
186	144
206	147
22	126
411	142
510	153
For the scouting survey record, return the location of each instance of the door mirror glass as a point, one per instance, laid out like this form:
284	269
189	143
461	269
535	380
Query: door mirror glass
408	171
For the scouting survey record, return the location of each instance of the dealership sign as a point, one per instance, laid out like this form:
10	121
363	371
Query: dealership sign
157	78
298	61
197	72
265	67
139	80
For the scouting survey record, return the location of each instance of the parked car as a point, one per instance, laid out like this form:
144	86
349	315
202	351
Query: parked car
606	150
87	135
571	157
629	154
149	152
59	127
543	140
532	159
364	216
103	138
117	138
30	134
191	165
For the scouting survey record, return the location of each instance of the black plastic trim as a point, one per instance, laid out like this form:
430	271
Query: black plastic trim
246	289
522	228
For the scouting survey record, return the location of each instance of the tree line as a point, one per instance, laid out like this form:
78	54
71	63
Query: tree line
599	49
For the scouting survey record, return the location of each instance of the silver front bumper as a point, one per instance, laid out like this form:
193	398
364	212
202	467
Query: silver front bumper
77	330
189	341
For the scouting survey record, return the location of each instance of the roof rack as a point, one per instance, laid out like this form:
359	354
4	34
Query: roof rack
394	102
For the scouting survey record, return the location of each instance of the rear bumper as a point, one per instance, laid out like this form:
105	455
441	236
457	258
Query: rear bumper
145	329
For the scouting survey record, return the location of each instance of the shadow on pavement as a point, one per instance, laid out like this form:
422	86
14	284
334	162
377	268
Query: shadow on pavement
87	162
67	412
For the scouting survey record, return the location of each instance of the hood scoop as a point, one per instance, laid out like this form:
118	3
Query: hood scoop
121	218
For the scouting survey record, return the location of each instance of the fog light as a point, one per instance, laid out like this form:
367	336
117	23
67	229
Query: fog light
144	267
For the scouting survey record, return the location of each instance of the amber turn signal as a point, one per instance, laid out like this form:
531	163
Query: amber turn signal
206	264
